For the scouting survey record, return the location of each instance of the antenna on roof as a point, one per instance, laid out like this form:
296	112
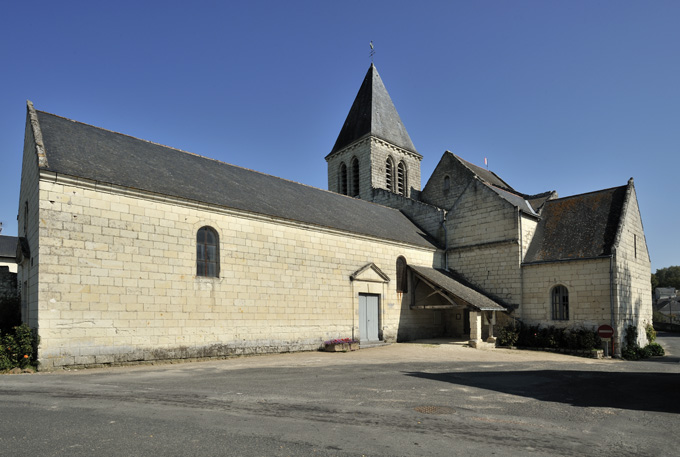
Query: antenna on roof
372	51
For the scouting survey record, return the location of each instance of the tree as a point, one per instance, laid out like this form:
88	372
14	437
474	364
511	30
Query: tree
667	277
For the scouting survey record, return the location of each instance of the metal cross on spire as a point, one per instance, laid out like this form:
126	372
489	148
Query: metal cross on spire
372	51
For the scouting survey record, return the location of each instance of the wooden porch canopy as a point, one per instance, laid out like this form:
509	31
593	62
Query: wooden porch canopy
452	290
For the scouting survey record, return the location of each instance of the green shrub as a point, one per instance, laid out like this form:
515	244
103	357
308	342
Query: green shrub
634	352
507	336
651	333
630	353
549	337
655	350
18	347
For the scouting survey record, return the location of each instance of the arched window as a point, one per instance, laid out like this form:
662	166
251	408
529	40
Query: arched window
402	275
447	183
401	178
343	179
389	174
207	252
355	177
560	303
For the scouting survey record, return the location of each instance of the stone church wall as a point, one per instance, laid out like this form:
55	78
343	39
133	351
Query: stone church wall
427	217
587	282
29	204
372	154
360	150
380	151
632	272
118	280
483	242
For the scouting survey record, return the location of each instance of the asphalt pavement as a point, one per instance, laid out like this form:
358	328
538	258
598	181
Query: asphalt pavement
430	398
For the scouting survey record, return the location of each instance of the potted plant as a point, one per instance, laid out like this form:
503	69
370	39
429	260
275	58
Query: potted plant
341	345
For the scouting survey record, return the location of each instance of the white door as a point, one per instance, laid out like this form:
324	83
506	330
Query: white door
368	317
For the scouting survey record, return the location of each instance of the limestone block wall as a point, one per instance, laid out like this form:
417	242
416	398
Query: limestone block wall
483	242
372	154
632	272
587	282
435	192
28	215
360	150
380	151
427	217
494	268
117	280
528	226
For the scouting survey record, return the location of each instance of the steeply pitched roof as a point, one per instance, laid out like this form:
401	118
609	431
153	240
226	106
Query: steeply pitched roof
8	246
373	113
530	204
488	176
81	150
578	227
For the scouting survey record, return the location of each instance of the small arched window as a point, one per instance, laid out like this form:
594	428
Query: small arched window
402	275
447	183
389	174
355	177
207	252
401	178
560	303
343	179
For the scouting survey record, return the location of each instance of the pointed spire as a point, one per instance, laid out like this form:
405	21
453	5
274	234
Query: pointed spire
373	113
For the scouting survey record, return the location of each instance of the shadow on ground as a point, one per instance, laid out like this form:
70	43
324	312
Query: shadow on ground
657	392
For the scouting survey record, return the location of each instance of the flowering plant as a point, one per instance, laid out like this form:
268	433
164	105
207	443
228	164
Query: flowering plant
340	341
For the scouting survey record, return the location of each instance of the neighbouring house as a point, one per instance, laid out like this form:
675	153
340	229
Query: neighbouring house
130	250
8	252
8	266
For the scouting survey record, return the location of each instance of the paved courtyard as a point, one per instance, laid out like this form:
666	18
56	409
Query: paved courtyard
414	399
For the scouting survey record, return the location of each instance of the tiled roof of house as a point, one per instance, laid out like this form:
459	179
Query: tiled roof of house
578	227
81	150
373	113
8	246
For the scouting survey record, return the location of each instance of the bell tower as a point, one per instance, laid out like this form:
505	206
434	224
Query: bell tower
373	149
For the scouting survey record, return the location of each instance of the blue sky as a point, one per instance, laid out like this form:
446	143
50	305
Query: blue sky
573	96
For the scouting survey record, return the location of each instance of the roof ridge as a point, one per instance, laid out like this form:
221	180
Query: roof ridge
213	160
470	166
588	193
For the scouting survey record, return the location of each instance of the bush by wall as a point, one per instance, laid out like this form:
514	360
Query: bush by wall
535	336
18	348
10	312
632	351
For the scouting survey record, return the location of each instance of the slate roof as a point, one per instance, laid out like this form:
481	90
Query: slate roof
578	227
8	246
516	200
373	113
82	150
488	176
530	204
457	286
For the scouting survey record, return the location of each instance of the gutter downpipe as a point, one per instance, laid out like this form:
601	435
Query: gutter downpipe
611	295
521	260
446	242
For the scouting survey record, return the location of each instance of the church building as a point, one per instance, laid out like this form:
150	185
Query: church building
126	255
